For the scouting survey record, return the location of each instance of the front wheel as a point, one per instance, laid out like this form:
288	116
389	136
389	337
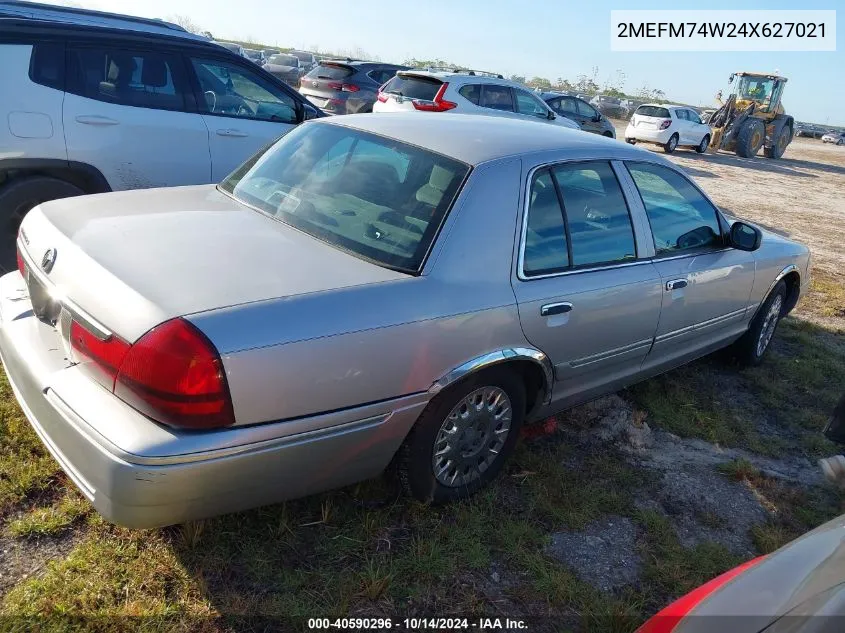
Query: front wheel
671	144
463	437
705	142
751	348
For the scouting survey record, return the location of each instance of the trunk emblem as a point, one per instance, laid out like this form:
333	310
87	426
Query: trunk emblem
314	83
48	260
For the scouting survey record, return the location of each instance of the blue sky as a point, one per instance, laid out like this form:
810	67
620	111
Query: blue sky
525	37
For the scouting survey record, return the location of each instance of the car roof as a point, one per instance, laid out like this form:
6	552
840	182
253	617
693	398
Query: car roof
358	63
46	13
453	75
476	139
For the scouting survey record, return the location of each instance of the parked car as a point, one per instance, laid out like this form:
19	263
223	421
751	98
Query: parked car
464	92
173	383
346	86
669	126
610	106
237	49
284	66
578	110
269	52
800	587
834	137
307	61
87	109
255	56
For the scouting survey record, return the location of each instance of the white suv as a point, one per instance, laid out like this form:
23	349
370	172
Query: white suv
464	92
668	126
94	102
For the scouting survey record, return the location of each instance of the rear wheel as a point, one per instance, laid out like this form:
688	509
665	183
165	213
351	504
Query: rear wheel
750	138
779	144
16	199
751	348
463	437
671	144
705	142
631	141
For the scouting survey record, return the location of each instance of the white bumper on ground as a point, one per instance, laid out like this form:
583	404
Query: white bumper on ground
648	135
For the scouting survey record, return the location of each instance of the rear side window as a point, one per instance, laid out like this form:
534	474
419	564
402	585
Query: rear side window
655	111
471	92
681	114
496	98
414	87
330	71
546	248
134	78
47	65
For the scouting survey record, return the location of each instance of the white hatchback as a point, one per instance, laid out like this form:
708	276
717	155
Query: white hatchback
464	92
669	126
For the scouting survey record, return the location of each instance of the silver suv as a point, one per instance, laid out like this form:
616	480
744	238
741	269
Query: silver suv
464	92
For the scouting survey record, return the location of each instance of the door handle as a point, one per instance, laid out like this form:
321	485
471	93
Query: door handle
232	133
675	284
94	119
550	309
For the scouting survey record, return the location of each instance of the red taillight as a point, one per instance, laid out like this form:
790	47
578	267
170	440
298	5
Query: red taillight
381	97
667	619
349	88
438	104
172	374
21	264
101	358
665	124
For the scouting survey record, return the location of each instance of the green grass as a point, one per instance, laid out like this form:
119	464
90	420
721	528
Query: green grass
51	520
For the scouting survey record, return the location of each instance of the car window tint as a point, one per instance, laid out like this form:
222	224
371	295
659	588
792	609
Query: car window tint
600	229
585	109
655	111
545	248
330	71
125	77
568	106
414	87
47	65
496	98
228	89
529	104
471	92
681	218
373	196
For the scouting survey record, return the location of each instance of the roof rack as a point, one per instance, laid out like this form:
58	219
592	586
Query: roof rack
90	17
462	71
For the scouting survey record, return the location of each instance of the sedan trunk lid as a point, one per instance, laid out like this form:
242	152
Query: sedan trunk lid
135	259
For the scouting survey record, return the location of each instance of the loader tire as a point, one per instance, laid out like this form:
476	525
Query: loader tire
750	138
780	143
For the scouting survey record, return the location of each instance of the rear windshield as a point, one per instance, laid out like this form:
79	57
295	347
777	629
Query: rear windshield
284	60
653	111
330	71
372	196
304	57
413	87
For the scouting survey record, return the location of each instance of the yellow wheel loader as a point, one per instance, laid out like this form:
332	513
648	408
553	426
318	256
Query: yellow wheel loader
752	117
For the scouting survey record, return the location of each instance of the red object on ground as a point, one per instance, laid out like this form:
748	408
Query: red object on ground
548	427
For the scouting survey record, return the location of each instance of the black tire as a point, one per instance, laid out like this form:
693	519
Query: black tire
780	143
631	141
16	199
747	349
750	138
671	145
415	460
702	147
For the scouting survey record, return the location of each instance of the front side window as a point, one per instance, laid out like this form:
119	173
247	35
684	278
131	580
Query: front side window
681	218
600	229
693	116
530	105
374	197
585	109
124	77
228	89
496	98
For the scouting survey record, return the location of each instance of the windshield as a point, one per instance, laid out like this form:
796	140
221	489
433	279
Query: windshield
284	60
754	88
375	197
252	54
235	48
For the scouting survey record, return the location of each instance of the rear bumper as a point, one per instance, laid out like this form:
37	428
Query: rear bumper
648	136
140	474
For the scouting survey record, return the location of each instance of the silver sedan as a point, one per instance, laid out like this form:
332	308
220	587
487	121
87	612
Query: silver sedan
370	288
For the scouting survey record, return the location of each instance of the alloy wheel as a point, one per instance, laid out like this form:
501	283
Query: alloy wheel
769	325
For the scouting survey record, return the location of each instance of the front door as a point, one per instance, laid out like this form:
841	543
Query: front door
584	298
126	113
706	285
243	111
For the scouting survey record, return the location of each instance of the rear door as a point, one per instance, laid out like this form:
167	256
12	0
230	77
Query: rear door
397	94
650	117
584	297
497	98
242	110
130	113
324	82
684	125
706	285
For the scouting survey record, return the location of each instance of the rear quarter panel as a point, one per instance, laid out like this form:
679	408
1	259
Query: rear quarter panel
333	350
